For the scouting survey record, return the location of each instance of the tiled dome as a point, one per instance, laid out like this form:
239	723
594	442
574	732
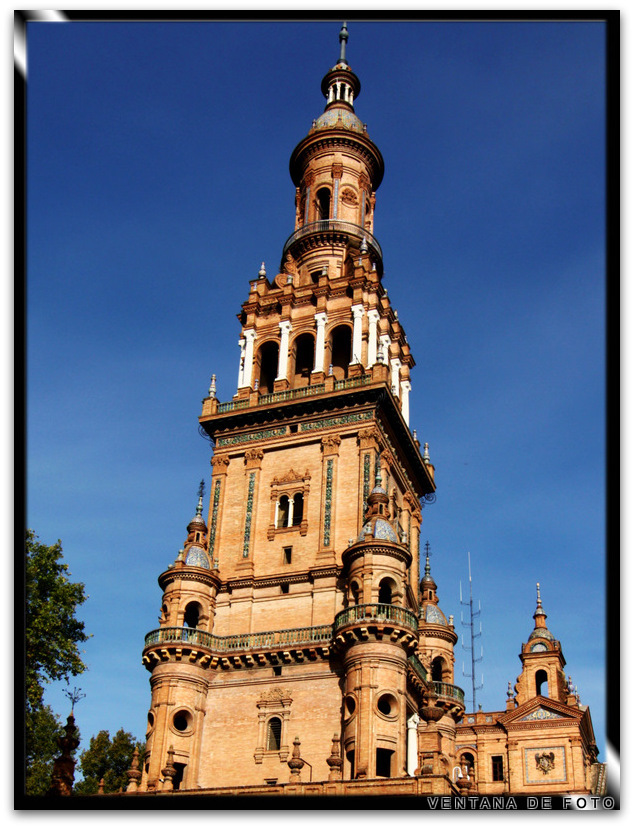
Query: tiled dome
378	528
197	557
339	117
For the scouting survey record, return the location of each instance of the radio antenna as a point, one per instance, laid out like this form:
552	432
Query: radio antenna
472	635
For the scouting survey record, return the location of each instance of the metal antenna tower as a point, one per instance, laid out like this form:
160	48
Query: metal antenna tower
473	635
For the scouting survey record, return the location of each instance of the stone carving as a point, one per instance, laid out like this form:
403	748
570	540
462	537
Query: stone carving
349	197
545	762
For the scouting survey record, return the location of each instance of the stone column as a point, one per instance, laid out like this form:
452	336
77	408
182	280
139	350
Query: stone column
406	387
320	342
282	366
385	349
395	362
242	343
357	314
247	373
373	318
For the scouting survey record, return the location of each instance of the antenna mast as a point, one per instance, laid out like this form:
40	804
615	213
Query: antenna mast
473	635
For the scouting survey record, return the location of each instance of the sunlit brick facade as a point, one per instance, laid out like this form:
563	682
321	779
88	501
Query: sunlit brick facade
297	647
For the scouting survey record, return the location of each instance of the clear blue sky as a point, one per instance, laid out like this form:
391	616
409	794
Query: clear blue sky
157	183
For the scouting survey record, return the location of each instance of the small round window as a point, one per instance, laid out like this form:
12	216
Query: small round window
351	705
386	704
182	721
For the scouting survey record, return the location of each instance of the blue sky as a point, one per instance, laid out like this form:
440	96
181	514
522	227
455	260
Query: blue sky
157	183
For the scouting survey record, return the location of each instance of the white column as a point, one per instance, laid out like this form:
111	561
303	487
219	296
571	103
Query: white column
406	387
282	367
373	319
320	341
241	369
385	349
247	371
412	743
395	362
357	314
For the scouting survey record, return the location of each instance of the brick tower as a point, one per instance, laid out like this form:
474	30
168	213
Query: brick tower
288	645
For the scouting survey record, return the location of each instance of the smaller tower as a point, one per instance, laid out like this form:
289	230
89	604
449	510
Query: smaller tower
443	703
179	686
543	663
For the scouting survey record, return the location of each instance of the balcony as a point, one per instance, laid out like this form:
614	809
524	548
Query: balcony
368	613
295	393
330	226
449	692
274	639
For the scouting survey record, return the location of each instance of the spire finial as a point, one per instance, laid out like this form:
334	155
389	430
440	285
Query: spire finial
427	554
201	492
343	39
539	598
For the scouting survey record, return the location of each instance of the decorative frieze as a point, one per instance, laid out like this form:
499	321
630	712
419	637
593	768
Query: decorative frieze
247	523
331	422
252	436
328	502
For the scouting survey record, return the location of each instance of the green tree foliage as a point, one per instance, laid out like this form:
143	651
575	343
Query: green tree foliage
44	728
52	635
52	630
107	759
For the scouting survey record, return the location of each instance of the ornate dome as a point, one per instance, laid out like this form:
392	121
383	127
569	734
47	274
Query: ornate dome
432	614
379	528
339	118
197	557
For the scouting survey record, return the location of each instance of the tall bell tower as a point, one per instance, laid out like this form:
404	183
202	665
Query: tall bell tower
290	637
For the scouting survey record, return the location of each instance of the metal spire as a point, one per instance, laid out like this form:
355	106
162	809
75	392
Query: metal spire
201	492
473	636
343	39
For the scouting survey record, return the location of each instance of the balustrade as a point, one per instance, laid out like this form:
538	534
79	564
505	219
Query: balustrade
378	612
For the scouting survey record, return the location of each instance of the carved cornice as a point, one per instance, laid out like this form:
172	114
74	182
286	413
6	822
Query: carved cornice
376	547
189	573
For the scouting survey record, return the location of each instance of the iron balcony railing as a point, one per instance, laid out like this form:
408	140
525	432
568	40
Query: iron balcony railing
245	641
449	691
418	668
377	612
333	225
295	393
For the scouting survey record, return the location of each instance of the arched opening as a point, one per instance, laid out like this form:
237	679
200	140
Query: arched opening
541	683
323	204
283	510
268	359
468	760
298	508
437	669
340	351
274	734
386	591
193	611
304	353
355	592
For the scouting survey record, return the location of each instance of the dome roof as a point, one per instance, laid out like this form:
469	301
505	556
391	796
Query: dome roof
339	117
197	557
378	528
432	614
541	632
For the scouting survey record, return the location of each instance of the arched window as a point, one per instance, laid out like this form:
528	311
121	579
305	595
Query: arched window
304	354
283	511
437	667
193	612
354	592
268	359
298	508
385	591
323	204
274	734
541	683
340	351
